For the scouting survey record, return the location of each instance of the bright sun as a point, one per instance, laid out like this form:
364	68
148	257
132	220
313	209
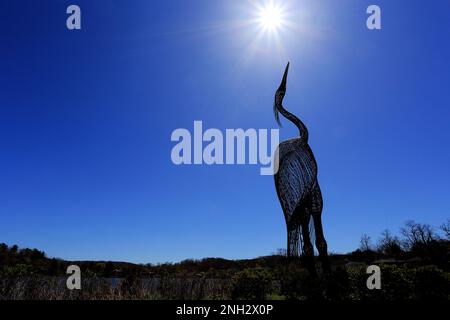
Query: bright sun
270	17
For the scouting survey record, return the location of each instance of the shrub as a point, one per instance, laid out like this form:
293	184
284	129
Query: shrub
296	282
431	283
336	285
251	284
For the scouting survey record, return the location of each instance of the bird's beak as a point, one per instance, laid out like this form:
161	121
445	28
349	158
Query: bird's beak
283	82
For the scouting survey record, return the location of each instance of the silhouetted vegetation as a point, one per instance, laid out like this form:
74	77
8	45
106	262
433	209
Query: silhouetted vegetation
414	265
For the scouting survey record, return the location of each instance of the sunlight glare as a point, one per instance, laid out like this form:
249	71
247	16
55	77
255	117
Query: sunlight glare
270	17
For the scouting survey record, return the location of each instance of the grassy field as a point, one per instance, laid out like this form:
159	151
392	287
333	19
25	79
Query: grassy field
263	278
413	267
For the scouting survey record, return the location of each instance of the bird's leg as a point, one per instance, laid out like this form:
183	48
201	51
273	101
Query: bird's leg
308	249
321	244
293	241
316	212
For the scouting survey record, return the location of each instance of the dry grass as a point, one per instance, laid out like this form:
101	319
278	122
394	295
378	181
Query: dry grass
54	288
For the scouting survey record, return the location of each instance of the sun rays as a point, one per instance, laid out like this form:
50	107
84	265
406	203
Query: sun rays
271	17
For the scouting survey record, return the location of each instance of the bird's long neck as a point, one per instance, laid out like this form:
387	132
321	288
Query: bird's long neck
278	107
304	135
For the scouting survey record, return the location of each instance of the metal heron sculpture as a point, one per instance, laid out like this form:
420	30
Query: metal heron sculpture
298	189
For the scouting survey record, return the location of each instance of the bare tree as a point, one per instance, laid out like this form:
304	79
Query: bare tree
445	227
365	243
417	234
389	245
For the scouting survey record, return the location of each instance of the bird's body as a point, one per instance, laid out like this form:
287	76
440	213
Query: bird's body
298	188
296	176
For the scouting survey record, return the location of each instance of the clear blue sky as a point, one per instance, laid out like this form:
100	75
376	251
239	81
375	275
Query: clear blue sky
86	119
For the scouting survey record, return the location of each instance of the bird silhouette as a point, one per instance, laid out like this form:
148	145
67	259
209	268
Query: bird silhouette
298	189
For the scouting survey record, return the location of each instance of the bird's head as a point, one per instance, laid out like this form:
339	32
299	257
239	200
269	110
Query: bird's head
282	87
279	95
